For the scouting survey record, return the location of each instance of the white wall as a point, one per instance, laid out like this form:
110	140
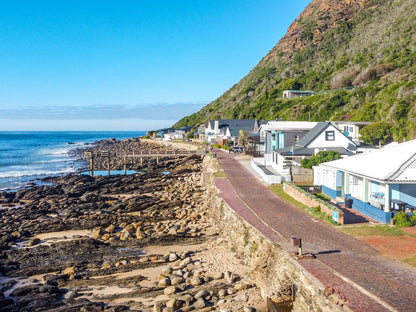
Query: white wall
357	187
340	140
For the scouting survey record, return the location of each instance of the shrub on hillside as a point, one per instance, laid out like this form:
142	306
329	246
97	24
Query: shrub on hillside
377	133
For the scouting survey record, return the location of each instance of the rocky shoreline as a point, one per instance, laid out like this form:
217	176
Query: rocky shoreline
139	242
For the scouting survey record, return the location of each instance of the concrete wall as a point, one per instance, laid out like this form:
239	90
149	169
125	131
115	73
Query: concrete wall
309	201
274	270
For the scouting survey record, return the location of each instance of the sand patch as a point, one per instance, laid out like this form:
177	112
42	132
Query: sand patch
63	234
396	247
410	230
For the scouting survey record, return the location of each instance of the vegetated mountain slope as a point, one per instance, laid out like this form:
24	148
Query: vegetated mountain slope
360	56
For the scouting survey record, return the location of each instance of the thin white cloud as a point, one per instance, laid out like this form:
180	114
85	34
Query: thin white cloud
127	124
143	112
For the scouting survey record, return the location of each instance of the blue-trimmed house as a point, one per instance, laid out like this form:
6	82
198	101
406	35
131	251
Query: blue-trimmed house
374	181
295	140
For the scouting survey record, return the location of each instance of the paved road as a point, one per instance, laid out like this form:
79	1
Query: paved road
368	281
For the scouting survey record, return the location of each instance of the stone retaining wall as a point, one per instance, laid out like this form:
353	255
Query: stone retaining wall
309	201
275	272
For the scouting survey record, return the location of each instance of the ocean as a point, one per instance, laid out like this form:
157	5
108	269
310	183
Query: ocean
31	156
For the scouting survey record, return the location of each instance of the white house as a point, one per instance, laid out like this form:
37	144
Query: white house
279	134
376	182
298	143
221	130
351	129
297	93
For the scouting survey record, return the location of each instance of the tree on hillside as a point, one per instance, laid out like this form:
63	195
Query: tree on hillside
377	133
151	134
243	140
320	157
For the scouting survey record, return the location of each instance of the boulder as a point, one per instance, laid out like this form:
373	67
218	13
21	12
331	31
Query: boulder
169	290
164	282
125	235
196	281
202	294
173	257
176	280
185	262
199	304
69	271
110	229
167	270
71	295
242	286
173	304
215	275
158	306
140	234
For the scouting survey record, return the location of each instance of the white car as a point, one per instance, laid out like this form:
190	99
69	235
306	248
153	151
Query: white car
237	149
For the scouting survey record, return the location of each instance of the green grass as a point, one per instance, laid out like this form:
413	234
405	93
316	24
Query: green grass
220	174
381	230
322	196
410	260
278	190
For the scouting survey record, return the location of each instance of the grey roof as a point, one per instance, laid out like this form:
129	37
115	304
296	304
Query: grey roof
186	129
313	133
301	91
233	122
298	151
306	151
236	125
235	131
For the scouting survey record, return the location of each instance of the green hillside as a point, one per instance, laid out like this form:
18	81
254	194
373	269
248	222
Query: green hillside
358	56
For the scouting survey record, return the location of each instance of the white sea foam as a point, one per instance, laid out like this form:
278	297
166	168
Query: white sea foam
52	161
34	173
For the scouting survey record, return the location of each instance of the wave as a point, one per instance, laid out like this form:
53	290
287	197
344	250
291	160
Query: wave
27	164
54	152
52	161
21	174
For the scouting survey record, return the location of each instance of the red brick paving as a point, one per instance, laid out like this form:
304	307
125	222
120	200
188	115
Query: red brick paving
391	281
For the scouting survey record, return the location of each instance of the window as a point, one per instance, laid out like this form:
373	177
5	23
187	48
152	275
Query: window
329	135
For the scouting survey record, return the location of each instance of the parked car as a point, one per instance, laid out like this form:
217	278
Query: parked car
237	149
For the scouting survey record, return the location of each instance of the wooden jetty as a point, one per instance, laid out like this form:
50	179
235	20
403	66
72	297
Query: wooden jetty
156	154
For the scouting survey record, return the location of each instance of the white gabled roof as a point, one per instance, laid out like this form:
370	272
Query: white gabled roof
390	164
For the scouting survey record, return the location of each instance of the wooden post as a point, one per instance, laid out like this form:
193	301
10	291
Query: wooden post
108	167
125	165
90	156
92	165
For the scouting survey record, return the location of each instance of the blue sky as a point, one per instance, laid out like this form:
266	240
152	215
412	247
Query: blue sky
127	65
